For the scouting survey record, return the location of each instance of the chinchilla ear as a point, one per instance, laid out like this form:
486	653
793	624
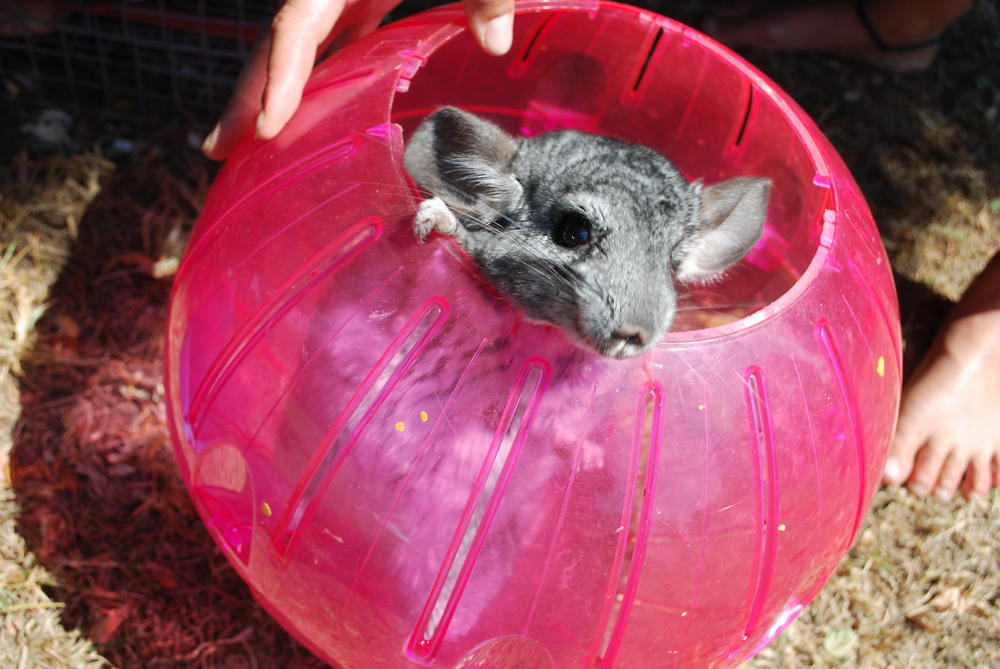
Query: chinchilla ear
731	220
464	160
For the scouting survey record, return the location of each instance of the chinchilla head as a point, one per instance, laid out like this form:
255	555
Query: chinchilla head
583	231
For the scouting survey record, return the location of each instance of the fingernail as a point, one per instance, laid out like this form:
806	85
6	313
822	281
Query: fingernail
260	123
975	496
892	471
209	143
943	493
919	489
498	34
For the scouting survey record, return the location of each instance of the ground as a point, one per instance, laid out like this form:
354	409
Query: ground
102	557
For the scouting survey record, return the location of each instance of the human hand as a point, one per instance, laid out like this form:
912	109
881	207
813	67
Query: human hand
270	87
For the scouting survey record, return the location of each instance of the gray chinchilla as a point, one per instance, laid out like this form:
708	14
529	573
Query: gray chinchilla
583	231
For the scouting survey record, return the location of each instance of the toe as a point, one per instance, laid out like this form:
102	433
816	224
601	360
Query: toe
911	434
926	470
917	413
978	478
951	475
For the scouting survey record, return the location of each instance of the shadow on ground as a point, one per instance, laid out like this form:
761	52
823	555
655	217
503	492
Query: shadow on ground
103	507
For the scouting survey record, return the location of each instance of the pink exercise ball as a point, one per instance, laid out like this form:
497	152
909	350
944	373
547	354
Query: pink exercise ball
407	473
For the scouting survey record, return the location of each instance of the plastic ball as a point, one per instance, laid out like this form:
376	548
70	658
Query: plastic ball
408	473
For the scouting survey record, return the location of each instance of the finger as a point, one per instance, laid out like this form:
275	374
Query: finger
951	475
297	32
350	33
926	470
241	110
492	24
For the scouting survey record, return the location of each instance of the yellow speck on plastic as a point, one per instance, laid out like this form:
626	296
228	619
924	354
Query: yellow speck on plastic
400	426
701	407
782	527
265	508
880	366
423	416
683	613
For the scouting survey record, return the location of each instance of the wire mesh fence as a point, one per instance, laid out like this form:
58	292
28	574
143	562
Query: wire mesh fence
121	67
137	62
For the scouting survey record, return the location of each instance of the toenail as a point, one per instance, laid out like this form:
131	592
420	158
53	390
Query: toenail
892	470
943	494
919	489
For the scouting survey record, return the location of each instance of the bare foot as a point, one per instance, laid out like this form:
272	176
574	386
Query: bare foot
900	35
948	435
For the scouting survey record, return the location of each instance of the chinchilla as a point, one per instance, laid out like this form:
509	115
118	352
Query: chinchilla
583	231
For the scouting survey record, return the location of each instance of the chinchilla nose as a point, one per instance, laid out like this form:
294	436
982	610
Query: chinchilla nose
628	340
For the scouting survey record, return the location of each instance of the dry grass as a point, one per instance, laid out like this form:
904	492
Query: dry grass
104	561
116	549
919	589
40	211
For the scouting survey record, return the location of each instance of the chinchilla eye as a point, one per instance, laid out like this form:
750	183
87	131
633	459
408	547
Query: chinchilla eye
572	229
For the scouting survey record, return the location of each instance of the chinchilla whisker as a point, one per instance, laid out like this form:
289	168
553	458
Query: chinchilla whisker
388	187
554	263
716	308
529	248
552	274
701	291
